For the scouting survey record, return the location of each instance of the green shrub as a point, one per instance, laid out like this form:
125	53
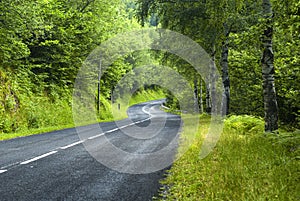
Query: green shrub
244	124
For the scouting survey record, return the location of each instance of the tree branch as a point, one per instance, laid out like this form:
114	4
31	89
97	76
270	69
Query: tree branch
86	5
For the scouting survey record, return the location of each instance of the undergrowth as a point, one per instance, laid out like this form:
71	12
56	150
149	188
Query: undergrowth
244	165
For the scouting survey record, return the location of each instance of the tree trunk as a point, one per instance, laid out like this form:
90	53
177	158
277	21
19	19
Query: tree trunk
196	96
208	102
270	102
225	73
213	87
200	98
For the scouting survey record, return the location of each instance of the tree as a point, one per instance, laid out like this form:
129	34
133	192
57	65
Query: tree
225	71
270	102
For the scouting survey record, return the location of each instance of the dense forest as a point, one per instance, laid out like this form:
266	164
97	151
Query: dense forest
44	43
255	44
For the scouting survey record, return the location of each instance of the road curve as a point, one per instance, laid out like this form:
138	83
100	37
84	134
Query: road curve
57	166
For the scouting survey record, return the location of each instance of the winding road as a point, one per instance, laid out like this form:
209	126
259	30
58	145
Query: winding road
57	165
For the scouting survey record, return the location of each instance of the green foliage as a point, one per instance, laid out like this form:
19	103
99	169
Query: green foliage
286	46
43	44
241	167
245	75
105	110
24	107
245	124
146	95
9	104
204	22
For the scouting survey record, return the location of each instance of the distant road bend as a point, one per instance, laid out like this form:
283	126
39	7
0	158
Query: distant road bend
56	165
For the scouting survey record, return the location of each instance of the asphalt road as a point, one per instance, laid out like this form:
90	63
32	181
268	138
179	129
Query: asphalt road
57	165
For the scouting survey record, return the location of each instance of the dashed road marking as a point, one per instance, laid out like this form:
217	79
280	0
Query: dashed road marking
39	157
2	171
81	141
95	136
123	126
112	130
71	145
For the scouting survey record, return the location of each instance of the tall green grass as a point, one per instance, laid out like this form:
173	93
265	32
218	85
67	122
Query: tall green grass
245	165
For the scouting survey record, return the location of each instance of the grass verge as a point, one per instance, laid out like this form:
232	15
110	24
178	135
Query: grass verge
139	97
244	165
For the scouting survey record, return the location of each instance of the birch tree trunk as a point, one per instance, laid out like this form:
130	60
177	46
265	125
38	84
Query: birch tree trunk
270	102
200	98
213	86
225	73
196	96
208	101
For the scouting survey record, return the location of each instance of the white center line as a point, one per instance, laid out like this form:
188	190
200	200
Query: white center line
2	171
144	120
37	158
71	145
93	137
109	131
79	142
123	126
112	130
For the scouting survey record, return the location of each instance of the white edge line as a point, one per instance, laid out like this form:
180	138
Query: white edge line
37	158
2	171
71	145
